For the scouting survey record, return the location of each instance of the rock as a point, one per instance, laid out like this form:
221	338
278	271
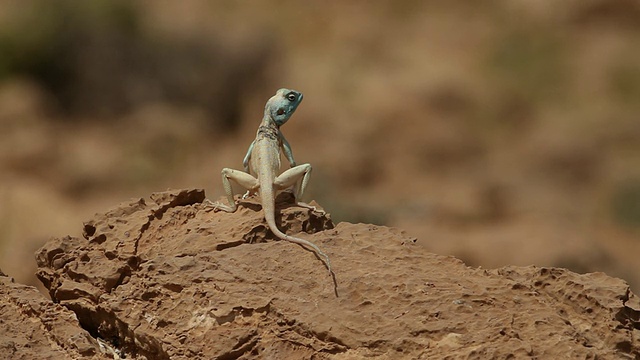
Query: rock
32	327
171	279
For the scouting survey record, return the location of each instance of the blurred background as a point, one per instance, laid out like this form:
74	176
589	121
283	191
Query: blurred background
500	132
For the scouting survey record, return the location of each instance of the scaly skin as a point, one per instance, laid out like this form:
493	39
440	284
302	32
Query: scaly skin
263	159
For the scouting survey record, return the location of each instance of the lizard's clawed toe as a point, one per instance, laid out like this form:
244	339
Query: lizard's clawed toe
215	206
247	195
311	207
208	205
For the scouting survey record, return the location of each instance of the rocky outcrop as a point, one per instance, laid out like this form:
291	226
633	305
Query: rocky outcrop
32	327
170	279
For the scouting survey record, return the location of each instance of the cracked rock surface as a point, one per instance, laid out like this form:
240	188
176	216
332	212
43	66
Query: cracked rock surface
168	278
32	327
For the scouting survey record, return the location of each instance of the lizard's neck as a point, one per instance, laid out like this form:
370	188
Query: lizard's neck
269	122
268	128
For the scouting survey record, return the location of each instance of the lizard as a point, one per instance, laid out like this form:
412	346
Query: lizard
263	159
286	149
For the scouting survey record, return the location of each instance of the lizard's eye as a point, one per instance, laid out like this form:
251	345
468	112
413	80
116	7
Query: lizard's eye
291	97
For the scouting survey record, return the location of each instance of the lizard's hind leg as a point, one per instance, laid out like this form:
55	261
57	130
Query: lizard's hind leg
243	179
292	177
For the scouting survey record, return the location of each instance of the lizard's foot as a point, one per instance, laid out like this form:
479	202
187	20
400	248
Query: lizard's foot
310	207
208	203
218	206
248	194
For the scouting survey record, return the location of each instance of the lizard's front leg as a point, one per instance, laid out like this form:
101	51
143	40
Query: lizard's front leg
286	149
245	163
247	157
243	179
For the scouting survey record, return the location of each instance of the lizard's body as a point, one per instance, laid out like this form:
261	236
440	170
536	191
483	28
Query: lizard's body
263	159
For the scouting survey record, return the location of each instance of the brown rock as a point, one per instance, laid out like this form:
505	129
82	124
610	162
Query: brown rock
32	327
172	280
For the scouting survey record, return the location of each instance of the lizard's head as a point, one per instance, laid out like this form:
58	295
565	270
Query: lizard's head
282	105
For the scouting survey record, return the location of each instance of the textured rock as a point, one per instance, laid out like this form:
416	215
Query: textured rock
32	327
168	279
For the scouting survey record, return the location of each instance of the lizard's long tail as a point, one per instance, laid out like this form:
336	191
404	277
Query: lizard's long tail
269	215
